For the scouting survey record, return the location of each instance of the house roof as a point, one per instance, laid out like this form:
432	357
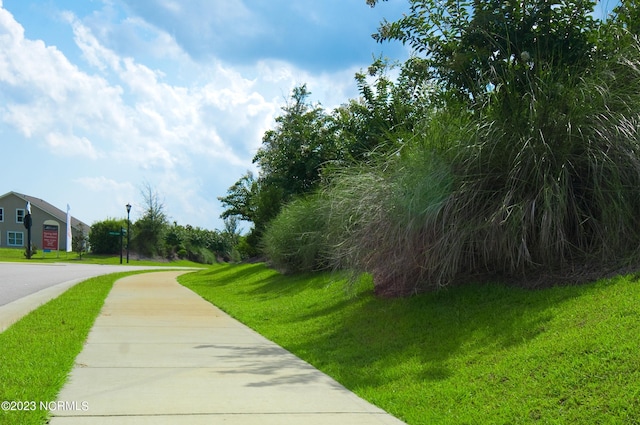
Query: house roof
50	209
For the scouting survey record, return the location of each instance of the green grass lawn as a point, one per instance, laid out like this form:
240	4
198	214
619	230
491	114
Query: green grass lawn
17	255
479	354
38	351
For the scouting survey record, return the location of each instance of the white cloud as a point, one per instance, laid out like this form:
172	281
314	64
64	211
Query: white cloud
45	91
95	54
134	119
104	184
167	122
70	145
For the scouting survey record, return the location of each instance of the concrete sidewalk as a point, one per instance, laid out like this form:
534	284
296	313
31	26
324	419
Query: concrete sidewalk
159	354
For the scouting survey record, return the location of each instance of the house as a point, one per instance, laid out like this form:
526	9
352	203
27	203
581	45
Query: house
48	223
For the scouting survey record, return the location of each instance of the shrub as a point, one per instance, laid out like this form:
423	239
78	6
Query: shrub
201	255
550	185
529	163
381	221
553	182
247	246
296	240
100	239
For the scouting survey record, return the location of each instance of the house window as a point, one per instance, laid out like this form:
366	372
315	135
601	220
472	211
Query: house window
15	238
19	215
1	215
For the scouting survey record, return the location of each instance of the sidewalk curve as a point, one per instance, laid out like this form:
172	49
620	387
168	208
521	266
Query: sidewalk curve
160	354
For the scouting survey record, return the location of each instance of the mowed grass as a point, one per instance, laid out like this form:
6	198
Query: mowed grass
38	352
17	255
478	354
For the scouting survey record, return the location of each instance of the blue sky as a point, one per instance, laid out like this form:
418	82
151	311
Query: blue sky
100	97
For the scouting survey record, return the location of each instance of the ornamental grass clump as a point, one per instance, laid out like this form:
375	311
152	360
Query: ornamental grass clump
296	240
542	180
383	219
553	182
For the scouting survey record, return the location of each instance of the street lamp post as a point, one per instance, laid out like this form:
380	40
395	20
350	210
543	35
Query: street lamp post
128	230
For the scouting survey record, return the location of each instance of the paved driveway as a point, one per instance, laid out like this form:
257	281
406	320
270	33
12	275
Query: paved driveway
25	286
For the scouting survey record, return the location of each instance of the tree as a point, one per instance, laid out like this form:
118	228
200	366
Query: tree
255	201
149	230
196	244
101	241
385	115
293	154
240	197
231	236
79	242
174	239
627	15
475	47
291	160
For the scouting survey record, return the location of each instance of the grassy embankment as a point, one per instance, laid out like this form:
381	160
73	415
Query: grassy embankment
478	354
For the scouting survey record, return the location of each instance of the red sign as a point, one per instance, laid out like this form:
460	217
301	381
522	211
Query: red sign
50	237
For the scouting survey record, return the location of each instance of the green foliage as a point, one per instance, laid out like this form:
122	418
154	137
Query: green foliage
254	200
556	183
79	244
100	241
385	115
307	142
149	230
196	244
296	240
240	199
507	146
175	237
247	248
534	170
383	221
477	354
153	236
231	238
268	201
474	47
293	153
291	160
548	188
626	16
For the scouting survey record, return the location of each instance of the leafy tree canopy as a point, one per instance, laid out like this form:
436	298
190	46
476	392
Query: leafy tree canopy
239	199
293	153
150	229
477	46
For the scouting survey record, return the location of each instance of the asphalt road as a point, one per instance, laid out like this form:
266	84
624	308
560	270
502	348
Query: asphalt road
18	280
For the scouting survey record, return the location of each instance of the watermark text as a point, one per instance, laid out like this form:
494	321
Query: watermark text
51	406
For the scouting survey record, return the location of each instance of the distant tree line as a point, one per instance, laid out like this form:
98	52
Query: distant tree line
152	236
